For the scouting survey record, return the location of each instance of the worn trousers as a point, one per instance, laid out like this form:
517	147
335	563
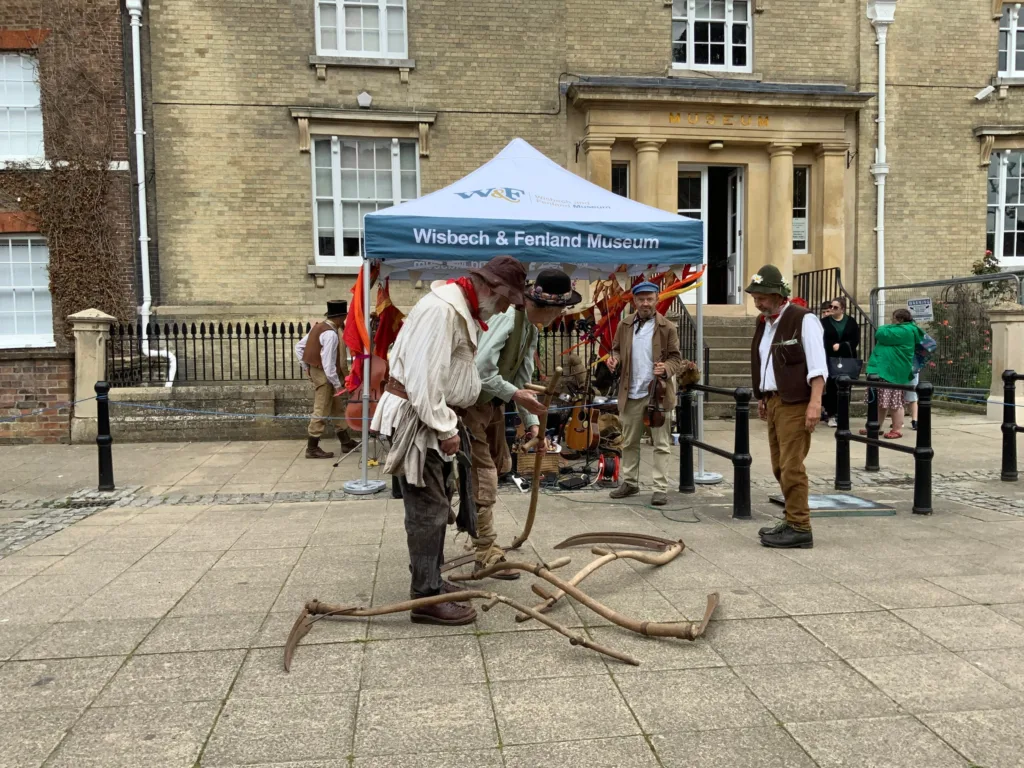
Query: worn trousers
790	442
426	521
325	406
632	417
491	458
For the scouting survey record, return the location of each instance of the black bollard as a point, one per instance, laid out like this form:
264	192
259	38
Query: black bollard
684	418
871	460
1009	427
103	438
741	458
923	452
843	481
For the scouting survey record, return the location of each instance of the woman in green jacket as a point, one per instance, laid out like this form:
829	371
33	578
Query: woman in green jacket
892	361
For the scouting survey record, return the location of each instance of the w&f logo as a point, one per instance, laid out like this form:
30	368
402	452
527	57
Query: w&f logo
507	194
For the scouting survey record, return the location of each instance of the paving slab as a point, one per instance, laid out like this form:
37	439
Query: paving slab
989	588
316	669
1013	611
770	747
936	682
531	711
808	599
623	752
488	758
815	691
15	636
444	661
654	653
169	735
1004	665
170	678
896	742
906	593
203	633
415	719
862	635
765	641
26	738
965	628
693	699
282	729
734	603
991	738
76	639
54	683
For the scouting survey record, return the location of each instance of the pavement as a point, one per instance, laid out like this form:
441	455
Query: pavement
145	627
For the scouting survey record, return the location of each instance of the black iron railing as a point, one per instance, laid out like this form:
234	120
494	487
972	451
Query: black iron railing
823	285
1010	428
687	328
200	353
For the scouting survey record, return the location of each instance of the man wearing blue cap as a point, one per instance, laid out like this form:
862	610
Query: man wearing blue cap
646	346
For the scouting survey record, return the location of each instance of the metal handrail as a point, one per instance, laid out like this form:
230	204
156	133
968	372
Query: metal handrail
971	279
831	278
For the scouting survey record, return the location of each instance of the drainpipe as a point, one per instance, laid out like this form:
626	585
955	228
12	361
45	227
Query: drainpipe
881	13
135	11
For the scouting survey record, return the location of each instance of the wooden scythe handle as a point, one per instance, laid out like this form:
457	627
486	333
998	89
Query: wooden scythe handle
549	394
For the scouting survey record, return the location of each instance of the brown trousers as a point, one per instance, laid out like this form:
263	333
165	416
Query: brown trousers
327	409
490	456
790	442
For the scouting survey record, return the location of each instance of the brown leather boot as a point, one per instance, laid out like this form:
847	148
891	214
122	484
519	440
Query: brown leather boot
449	614
314	451
347	443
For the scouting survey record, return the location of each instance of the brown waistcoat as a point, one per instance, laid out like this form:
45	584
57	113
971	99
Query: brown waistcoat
311	355
788	360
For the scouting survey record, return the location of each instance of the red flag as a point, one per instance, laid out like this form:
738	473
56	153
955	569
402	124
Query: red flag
389	321
357	335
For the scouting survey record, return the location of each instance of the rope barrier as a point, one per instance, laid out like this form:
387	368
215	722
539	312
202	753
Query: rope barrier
38	411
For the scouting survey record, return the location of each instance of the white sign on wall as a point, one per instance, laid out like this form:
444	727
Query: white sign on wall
800	229
921	310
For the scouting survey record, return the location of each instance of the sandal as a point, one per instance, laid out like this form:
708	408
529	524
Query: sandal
892	434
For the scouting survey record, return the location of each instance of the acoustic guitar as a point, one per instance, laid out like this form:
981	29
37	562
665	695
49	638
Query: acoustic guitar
581	431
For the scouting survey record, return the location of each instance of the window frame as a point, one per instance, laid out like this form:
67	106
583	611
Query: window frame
1000	160
806	207
339	260
691	19
1014	15
341	49
23	340
27	158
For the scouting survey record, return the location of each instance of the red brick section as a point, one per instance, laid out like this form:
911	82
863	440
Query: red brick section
28	384
17	222
21	39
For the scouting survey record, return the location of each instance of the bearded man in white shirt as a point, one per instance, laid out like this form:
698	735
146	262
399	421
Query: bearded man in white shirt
433	378
321	355
789	372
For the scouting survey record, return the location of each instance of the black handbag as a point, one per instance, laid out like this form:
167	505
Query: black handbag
844	366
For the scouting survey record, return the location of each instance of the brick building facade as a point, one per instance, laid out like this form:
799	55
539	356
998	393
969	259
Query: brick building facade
37	39
683	105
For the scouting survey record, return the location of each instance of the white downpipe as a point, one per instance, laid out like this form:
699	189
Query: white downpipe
135	11
881	13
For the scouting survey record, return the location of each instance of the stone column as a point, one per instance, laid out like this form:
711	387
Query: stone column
780	208
599	160
1007	354
833	235
647	151
92	332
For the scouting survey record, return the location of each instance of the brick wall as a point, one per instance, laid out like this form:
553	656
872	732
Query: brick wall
30	381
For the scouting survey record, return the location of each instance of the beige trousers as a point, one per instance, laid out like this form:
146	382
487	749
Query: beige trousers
325	405
632	430
490	458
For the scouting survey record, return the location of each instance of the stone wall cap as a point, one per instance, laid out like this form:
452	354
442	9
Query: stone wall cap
92	315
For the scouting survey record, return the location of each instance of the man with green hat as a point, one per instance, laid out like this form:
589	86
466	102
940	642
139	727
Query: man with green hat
789	371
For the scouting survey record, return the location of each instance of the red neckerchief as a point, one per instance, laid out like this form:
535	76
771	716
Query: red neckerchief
776	315
470	293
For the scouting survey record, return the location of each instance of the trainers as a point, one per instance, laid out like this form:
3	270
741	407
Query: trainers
913	425
659	499
832	422
624	490
790	538
779	527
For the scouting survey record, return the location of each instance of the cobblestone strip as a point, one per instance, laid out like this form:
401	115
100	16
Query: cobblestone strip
37	524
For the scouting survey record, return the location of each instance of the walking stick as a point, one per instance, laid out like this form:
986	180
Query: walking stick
549	393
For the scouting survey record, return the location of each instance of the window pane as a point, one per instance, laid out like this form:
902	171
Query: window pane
22	274
1004	47
329	38
348	153
717	9
679	53
620	179
990	242
40	276
739	10
800	187
702	31
718	54
328	15
408	185
717	33
365	155
325	244
384	186
1012	191
739	57
383	149
353	40
349	216
323	182
703	9
1008	244
739	34
367	188
7	300
396	30
407	153
679	9
322	153
689	191
993	188
348	185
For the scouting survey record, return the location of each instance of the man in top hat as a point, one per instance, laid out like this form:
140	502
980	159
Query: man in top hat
646	346
789	372
504	360
433	375
321	355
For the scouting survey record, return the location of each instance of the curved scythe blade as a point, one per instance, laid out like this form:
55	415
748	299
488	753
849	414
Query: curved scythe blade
640	540
300	629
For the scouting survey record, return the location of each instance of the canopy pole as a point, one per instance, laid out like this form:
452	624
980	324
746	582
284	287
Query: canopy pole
701	477
364	486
